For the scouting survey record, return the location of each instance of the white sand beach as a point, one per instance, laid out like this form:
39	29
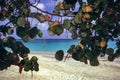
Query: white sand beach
51	69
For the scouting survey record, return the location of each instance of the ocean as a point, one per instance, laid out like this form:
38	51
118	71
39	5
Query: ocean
49	45
52	45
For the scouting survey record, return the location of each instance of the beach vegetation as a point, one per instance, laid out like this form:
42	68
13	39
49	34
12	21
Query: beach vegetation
93	24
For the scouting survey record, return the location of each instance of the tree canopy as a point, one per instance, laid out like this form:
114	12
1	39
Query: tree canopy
94	24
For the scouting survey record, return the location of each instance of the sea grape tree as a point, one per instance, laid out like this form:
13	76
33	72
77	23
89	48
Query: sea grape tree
17	13
94	24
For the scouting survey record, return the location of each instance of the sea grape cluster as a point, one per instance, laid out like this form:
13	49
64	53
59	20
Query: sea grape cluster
86	55
13	57
8	58
29	64
94	25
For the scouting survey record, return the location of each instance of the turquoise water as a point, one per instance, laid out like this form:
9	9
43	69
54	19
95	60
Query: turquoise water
52	45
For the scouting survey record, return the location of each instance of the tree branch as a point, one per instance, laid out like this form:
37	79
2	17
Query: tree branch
49	12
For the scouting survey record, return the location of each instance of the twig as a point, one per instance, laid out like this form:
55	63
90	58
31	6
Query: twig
37	3
49	12
67	56
7	23
94	44
32	74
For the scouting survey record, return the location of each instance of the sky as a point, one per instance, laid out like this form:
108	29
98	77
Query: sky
48	5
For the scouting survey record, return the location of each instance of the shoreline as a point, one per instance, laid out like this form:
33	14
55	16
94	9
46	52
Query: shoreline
52	55
41	52
51	69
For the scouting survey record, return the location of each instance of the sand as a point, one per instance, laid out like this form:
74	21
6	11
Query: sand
51	69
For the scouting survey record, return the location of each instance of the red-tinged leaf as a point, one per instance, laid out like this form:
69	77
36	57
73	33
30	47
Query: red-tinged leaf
20	69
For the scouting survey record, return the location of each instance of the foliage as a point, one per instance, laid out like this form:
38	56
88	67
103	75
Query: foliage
59	55
95	23
17	13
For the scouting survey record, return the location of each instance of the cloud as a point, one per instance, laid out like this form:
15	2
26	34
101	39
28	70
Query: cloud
39	5
43	26
65	35
84	0
34	22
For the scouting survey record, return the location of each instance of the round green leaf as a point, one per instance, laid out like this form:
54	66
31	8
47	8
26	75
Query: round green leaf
21	21
21	31
109	51
39	33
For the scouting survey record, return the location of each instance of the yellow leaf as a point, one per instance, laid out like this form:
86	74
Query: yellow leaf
79	44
